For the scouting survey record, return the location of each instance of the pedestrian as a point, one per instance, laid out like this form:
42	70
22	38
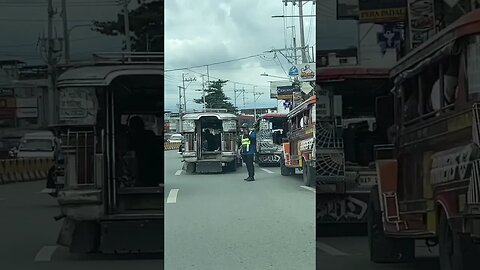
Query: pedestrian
248	150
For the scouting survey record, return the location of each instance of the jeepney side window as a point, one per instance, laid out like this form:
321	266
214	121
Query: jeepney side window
411	100
473	67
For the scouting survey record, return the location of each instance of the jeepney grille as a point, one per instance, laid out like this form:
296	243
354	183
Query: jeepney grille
330	157
473	195
79	150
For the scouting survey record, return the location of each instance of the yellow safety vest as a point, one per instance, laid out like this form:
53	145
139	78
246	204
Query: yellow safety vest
246	142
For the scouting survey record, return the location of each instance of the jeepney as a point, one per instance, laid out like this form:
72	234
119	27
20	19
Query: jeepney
102	196
271	128
348	127
210	142
428	178
298	148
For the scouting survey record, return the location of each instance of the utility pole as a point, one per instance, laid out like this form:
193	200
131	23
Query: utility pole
302	32
147	42
243	92
203	93
185	88
235	94
254	105
126	21
66	35
294	44
180	108
51	65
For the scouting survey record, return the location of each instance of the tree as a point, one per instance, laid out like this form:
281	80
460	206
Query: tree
146	25
215	98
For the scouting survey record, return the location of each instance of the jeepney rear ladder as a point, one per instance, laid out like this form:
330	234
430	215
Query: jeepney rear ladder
80	158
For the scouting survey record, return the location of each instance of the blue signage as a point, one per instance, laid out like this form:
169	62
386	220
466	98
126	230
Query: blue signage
293	71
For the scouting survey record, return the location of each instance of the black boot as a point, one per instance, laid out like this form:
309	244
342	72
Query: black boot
249	179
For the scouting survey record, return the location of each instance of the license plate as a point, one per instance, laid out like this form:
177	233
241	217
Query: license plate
366	180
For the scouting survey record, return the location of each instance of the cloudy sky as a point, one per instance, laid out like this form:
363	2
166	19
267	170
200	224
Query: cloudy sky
23	21
209	31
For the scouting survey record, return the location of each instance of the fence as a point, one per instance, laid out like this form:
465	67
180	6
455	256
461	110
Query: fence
23	170
171	146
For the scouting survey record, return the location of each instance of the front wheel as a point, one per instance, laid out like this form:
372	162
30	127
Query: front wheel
284	170
456	251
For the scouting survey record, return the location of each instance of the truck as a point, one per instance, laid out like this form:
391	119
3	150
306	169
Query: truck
348	127
428	185
271	128
298	147
106	205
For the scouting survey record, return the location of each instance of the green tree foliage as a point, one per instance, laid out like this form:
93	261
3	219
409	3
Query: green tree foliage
215	98
146	23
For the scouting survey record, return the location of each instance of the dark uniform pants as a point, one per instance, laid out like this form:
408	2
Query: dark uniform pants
248	159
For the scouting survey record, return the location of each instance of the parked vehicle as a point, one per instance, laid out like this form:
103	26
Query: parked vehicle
175	138
428	178
299	145
42	144
271	129
348	127
211	142
8	146
109	165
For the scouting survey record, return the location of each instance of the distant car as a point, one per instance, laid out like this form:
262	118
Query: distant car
42	144
176	138
7	144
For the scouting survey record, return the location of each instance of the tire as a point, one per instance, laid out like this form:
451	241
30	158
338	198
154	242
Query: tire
190	167
456	251
307	174
231	166
383	249
284	170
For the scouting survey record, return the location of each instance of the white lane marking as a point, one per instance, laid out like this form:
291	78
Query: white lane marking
330	250
172	196
266	170
45	254
309	188
47	190
179	172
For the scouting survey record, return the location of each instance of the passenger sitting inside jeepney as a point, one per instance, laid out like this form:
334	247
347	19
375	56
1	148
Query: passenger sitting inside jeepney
450	85
147	152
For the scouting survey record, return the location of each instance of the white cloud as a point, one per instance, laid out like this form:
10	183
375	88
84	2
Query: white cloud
207	31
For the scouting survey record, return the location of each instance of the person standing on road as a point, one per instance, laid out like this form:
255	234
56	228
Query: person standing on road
248	150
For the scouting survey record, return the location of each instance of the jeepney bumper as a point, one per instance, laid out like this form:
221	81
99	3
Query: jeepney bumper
81	204
348	207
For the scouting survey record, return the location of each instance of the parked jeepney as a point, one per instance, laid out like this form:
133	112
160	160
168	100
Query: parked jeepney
298	148
428	178
271	128
210	142
112	196
348	127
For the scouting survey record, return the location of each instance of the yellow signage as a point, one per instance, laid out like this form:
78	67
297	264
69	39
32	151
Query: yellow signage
384	15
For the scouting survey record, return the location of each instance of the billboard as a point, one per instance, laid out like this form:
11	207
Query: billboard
347	9
285	92
275	84
421	21
378	11
307	72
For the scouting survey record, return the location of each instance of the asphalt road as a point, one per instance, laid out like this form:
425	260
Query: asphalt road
28	235
219	221
351	253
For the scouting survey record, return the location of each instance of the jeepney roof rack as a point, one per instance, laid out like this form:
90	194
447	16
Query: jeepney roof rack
128	58
216	110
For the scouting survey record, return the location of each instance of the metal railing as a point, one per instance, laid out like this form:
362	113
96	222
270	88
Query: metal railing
79	149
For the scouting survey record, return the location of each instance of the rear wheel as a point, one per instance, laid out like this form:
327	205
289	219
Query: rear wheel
190	167
284	170
231	166
382	248
307	174
457	251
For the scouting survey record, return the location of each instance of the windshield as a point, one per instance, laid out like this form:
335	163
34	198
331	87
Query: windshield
37	145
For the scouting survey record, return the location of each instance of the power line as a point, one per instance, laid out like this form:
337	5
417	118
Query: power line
215	63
